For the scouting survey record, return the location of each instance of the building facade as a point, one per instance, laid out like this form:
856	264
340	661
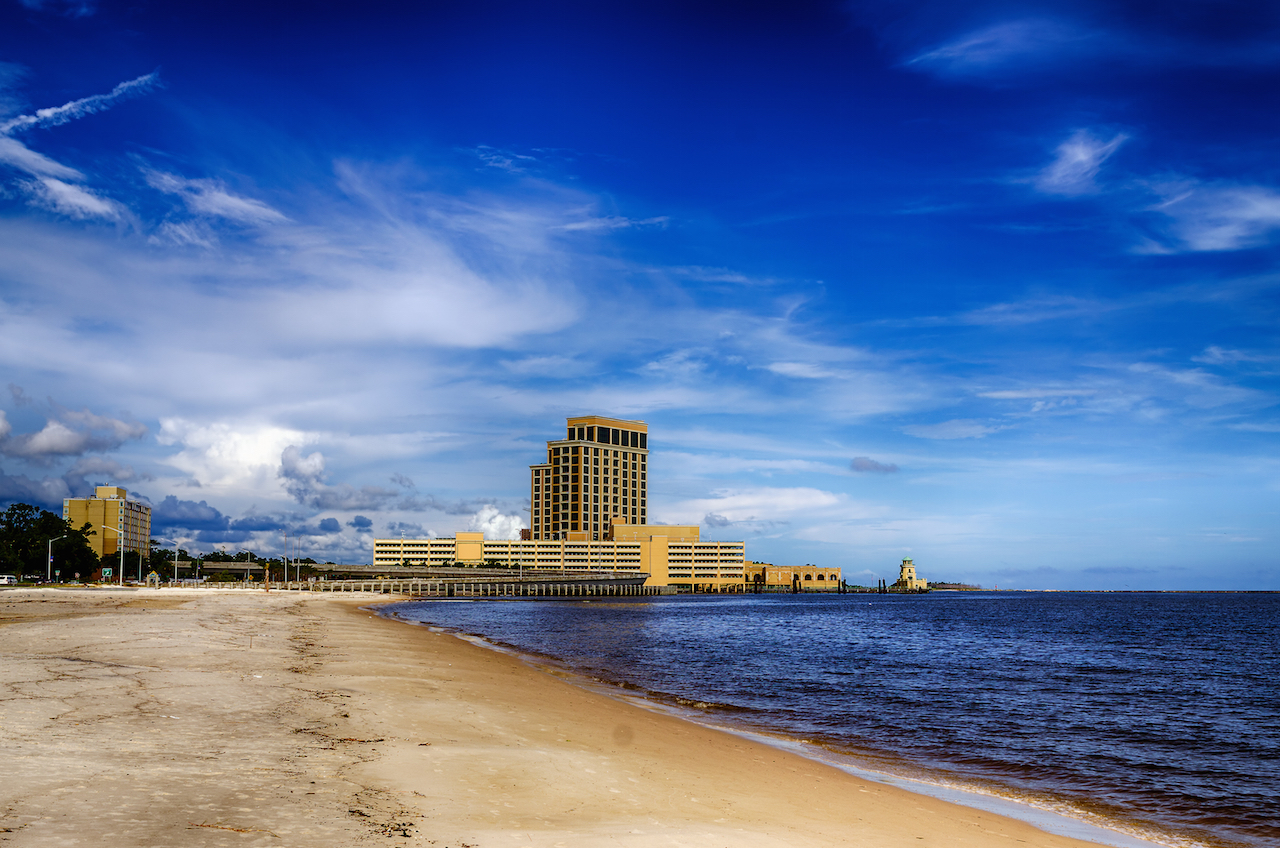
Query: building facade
130	521
598	473
589	512
796	578
907	579
672	555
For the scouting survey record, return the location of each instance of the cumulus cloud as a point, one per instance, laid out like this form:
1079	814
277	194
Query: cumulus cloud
174	512
495	525
304	479
69	433
1076	165
361	524
231	457
46	492
89	471
330	525
956	428
867	465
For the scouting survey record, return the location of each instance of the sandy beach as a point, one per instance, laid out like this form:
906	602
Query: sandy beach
193	718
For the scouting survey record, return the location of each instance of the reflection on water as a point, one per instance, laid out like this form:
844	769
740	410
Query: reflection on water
1155	709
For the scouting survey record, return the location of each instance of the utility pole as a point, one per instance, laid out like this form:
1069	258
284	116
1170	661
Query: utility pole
48	561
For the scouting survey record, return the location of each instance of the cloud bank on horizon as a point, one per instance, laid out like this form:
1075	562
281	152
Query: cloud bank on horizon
992	287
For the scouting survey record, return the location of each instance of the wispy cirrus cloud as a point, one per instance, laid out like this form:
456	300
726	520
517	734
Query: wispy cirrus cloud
1076	164
1216	217
1006	46
613	222
53	116
956	428
17	155
53	186
212	198
74	201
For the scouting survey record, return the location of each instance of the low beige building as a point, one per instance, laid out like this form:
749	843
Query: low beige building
672	555
798	578
129	522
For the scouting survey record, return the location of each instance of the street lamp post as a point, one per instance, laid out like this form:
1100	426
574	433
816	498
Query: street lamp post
120	545
48	561
175	560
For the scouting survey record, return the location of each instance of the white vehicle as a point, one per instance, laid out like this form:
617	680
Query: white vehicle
8	580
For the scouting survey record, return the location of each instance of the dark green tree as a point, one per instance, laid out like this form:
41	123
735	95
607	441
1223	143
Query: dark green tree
25	531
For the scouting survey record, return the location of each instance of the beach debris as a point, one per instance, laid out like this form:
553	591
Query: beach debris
234	829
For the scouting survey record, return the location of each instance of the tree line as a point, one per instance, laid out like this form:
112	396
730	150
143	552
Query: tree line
26	532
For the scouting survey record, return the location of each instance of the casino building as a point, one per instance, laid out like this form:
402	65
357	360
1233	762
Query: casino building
589	511
597	474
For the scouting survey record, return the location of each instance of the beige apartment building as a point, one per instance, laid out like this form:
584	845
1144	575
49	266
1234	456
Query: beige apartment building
129	521
596	474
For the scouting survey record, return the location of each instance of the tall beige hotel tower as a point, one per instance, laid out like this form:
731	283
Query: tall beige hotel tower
593	478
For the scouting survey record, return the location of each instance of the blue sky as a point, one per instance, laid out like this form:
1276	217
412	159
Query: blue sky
990	285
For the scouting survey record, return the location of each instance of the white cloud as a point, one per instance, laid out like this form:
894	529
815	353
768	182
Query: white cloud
50	188
1030	394
546	366
230	459
759	506
803	370
1215	355
956	428
73	201
495	525
1219	217
613	222
18	155
57	115
1076	165
1200	388
1005	46
210	197
305	480
71	433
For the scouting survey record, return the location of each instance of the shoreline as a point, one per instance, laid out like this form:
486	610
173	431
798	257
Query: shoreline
143	717
1036	812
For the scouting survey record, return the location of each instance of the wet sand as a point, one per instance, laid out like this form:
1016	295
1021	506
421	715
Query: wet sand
147	718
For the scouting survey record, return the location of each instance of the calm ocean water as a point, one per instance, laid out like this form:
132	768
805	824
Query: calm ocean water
1154	713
